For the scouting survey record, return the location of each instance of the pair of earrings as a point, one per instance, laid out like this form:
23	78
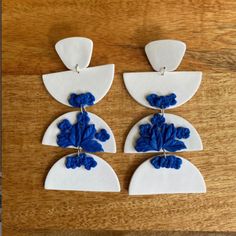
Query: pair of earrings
162	132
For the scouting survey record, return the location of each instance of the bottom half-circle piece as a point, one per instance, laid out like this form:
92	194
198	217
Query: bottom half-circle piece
102	178
147	180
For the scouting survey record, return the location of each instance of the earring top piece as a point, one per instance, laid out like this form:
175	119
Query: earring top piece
75	52
165	55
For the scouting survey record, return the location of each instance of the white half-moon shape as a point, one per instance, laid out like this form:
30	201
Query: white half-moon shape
183	84
149	180
102	178
193	143
166	54
96	80
50	136
75	51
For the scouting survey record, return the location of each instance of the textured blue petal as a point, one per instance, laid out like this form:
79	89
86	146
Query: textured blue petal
102	135
63	140
143	145
144	130
64	125
89	132
78	160
75	135
156	139
81	100
182	132
162	102
89	163
174	145
83	118
91	146
169	133
158	120
166	162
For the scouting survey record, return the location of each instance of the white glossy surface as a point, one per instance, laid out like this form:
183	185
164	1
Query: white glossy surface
75	51
148	180
165	53
183	84
50	136
193	143
102	178
96	80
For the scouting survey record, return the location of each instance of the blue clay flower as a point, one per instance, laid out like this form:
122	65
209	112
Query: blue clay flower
182	132
81	134
144	130
160	136
83	118
64	125
80	160
158	120
102	135
81	100
170	161
161	102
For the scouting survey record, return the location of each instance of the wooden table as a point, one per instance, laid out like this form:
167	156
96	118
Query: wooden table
119	30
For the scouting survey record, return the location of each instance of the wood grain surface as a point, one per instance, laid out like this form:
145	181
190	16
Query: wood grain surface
119	30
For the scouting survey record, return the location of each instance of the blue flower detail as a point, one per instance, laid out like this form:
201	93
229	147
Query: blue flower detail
102	135
182	132
80	160
161	102
81	134
166	162
158	119
81	100
160	136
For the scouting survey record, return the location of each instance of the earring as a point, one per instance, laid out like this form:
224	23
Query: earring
163	132
84	131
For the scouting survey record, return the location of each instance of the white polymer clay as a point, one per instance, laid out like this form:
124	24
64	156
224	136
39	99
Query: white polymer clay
50	136
76	53
148	180
193	143
102	178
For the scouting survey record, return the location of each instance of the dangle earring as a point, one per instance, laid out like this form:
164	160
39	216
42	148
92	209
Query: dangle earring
163	132
80	87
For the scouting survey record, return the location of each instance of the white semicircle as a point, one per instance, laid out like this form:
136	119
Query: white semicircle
141	84
50	136
193	143
96	80
102	178
148	180
75	52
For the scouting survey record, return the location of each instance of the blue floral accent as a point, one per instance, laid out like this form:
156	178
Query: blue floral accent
80	135
81	100
80	160
166	162
182	132
161	102
160	136
102	135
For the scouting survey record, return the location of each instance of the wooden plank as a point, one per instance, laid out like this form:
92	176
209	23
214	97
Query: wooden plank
119	29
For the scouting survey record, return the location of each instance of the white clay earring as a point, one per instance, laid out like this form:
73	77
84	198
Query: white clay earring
164	132
86	132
